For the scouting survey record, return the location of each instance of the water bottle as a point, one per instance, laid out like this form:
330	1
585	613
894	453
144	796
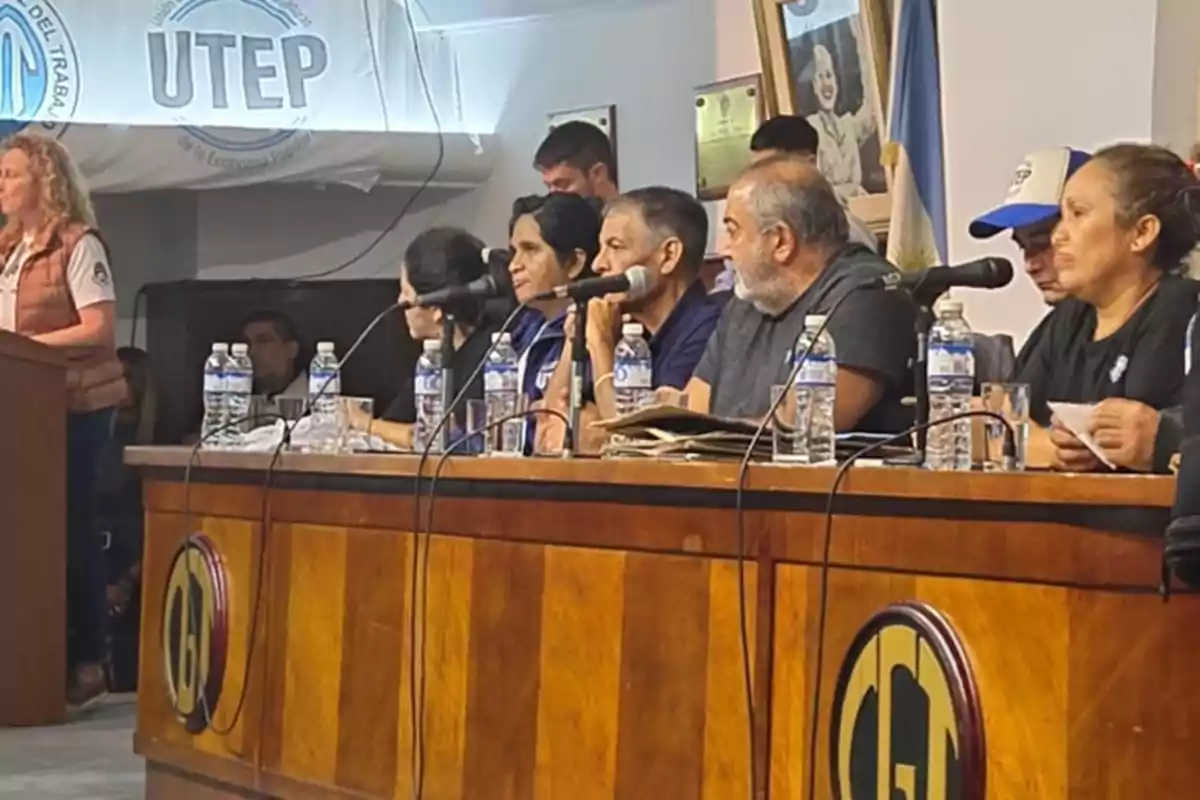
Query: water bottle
324	391
816	390
632	370
427	390
951	371
213	434
239	385
501	395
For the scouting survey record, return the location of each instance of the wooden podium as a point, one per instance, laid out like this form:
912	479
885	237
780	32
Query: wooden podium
33	516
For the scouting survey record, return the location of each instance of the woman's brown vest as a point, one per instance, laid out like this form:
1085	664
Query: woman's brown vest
95	379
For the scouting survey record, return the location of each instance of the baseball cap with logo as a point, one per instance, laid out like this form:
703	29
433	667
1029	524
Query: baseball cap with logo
1035	193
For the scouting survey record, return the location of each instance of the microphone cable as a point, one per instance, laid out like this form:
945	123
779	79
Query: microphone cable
739	516
419	570
265	522
419	773
826	550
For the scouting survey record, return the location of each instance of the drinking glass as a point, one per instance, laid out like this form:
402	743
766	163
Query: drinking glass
1011	401
474	415
786	434
353	415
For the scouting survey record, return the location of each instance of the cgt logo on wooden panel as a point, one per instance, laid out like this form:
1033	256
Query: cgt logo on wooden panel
906	723
195	632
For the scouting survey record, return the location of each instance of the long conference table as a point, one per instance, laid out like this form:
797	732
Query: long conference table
577	633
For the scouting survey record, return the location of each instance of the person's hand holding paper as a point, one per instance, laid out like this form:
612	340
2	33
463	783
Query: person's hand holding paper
1075	448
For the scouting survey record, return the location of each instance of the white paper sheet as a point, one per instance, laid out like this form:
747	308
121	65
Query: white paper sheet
1075	417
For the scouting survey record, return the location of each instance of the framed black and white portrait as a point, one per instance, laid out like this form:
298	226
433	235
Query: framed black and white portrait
828	61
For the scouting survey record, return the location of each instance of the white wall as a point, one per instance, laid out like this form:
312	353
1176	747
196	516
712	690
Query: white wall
646	61
1025	74
151	237
295	231
1176	74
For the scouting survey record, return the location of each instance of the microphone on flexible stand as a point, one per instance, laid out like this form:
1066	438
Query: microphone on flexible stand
484	288
985	273
926	286
634	283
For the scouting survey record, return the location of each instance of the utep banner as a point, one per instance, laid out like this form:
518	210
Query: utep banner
238	86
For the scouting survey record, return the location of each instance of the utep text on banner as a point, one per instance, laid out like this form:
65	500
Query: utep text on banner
241	86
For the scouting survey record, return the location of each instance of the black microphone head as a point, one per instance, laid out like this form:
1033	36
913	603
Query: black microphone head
1001	270
497	258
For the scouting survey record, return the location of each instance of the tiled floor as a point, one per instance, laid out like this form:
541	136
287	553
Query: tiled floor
90	758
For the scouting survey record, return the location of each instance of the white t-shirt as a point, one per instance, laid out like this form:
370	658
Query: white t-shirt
89	276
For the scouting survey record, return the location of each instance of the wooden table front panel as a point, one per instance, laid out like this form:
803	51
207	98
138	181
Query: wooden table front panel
1085	694
551	671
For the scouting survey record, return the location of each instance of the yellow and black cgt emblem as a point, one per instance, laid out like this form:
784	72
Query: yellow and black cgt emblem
195	632
906	721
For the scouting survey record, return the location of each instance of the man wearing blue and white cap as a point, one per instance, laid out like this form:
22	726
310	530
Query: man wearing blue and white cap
1031	211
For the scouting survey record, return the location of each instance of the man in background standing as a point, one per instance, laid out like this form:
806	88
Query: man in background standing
577	157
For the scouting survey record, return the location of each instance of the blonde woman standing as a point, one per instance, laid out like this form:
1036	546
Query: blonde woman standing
56	287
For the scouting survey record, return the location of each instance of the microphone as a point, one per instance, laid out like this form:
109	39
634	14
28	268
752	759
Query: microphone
635	283
986	273
483	288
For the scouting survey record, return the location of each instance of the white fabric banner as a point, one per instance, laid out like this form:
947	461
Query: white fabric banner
244	90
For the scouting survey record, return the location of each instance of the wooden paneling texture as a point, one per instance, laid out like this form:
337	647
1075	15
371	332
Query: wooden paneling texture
582	635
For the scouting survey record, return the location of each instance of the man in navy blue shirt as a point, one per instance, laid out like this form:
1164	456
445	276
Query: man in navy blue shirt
665	231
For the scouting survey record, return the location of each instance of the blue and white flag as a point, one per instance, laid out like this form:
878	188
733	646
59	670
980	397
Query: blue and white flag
917	233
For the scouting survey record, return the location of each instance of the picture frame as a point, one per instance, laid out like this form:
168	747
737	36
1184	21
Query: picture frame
727	115
830	61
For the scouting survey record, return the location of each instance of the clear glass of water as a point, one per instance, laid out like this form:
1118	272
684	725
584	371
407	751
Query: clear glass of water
787	436
353	415
1011	401
473	419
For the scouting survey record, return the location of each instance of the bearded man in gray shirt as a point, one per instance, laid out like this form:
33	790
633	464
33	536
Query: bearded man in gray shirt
787	238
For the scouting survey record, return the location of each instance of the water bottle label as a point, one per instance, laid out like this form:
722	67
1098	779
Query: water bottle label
317	383
951	359
632	375
817	371
428	384
499	378
240	384
214	382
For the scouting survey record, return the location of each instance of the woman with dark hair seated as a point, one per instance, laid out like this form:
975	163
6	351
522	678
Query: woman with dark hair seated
438	258
554	239
1127	227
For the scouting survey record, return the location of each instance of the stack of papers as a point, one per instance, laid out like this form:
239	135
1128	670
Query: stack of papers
671	432
662	431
